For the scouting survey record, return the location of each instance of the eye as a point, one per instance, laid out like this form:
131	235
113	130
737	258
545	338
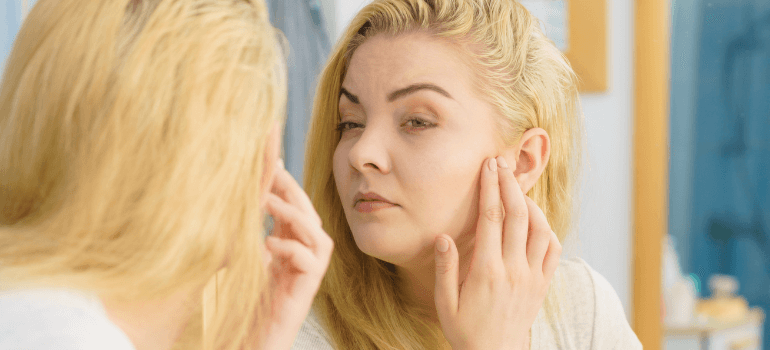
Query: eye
345	126
415	123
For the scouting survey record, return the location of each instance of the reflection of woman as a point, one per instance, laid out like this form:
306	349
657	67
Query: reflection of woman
428	116
139	144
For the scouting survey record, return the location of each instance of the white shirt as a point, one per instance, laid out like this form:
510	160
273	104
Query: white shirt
590	316
43	319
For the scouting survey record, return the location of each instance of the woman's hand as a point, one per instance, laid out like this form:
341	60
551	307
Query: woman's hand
514	259
298	253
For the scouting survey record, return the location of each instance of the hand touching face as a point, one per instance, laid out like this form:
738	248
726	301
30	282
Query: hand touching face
515	257
298	254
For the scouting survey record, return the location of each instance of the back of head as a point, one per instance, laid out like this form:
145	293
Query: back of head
132	142
518	71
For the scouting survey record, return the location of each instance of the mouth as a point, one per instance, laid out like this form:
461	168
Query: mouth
371	202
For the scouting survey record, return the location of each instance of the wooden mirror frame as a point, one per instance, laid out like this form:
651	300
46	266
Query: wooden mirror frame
652	56
587	43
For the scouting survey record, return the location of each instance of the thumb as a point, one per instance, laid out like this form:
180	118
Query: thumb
267	255
446	293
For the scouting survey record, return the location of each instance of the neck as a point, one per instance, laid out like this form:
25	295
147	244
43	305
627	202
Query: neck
153	324
420	281
419	274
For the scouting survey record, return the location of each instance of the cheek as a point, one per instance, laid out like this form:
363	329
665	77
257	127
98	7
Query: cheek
448	191
339	166
457	199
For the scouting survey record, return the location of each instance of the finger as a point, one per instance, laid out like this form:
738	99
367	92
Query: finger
267	257
290	191
539	235
552	257
516	222
299	225
324	248
446	292
489	228
298	255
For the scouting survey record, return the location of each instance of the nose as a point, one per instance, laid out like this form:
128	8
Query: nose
370	152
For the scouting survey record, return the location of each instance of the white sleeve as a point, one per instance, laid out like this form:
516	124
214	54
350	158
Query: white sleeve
611	329
47	320
311	336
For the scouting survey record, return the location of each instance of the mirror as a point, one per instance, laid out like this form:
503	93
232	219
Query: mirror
719	213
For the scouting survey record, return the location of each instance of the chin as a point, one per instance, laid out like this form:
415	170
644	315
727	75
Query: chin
390	247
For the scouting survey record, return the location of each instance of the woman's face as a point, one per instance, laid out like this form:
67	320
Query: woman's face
414	134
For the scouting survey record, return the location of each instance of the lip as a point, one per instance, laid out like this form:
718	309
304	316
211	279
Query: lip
370	202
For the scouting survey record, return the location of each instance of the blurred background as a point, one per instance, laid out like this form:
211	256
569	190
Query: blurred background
719	214
713	286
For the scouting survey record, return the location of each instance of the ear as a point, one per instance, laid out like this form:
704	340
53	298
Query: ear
271	158
529	157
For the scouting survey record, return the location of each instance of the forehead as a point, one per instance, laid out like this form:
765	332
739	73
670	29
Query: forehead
386	62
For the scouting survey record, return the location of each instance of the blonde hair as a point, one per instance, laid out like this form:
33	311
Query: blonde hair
133	137
527	80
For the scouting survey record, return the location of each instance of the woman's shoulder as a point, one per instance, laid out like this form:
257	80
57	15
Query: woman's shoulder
56	319
311	335
583	312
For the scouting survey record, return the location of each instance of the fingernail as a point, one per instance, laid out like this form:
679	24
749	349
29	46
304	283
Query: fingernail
492	164
280	163
442	245
501	162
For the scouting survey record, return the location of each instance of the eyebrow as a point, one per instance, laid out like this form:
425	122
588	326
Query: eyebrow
351	97
401	92
414	88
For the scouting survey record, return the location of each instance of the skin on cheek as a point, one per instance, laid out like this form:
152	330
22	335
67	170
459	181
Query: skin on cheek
448	190
339	167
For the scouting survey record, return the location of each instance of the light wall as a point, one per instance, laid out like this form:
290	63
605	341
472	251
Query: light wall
604	229
11	13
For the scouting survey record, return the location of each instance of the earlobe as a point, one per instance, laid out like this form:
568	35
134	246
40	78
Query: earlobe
530	156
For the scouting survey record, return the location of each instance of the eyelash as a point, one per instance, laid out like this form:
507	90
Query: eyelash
425	124
346	126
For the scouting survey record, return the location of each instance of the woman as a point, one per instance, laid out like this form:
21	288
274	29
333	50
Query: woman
429	115
139	146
